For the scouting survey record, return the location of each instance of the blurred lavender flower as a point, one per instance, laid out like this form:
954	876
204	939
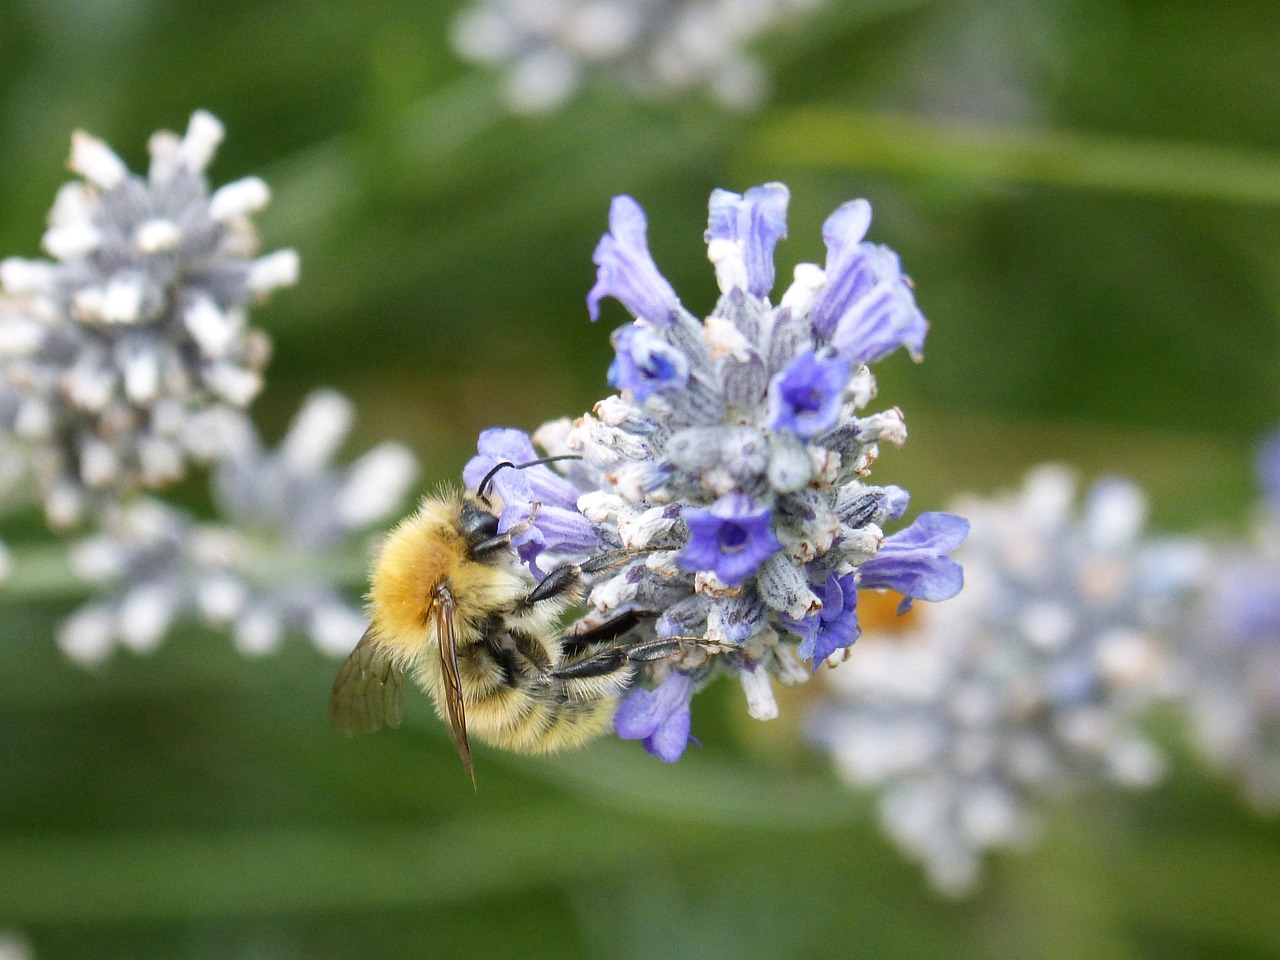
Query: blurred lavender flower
1232	654
14	472
659	48
730	471
130	352
150	561
1030	683
14	946
288	521
292	513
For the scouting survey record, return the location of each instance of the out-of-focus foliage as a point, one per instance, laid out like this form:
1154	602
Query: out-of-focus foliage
1102	275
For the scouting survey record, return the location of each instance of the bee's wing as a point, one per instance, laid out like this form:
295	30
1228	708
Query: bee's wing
453	682
368	692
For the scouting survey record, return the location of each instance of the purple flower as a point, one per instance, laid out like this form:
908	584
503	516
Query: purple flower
558	525
912	561
805	398
645	364
730	539
626	268
1249	604
832	628
866	309
1269	469
897	500
754	222
658	718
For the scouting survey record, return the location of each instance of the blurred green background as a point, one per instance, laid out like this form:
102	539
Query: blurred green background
1087	195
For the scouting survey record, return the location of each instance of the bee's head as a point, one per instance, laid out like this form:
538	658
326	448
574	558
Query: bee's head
478	523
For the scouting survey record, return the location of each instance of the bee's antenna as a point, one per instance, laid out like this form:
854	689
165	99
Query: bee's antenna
488	477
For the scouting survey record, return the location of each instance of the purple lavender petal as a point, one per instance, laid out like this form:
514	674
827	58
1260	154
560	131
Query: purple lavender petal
1269	469
659	718
558	525
626	268
912	562
667	743
898	501
730	539
884	320
561	529
498	445
757	220
513	487
832	628
805	398
866	309
848	274
645	364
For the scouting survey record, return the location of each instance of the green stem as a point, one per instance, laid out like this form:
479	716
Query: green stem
840	139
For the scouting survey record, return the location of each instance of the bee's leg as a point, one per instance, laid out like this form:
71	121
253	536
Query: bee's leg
607	631
568	576
613	659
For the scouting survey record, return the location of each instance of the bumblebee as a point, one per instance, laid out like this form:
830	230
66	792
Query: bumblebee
450	604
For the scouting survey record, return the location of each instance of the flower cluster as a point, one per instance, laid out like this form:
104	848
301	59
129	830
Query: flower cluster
287	522
1232	655
728	473
659	47
130	352
1031	683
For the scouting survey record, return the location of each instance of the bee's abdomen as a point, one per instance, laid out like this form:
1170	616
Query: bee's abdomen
513	703
538	720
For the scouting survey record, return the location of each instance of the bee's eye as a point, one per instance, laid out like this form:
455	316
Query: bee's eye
478	524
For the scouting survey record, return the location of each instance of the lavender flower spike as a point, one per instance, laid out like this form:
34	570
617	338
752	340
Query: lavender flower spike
913	561
546	50
742	230
137	355
732	467
659	718
626	268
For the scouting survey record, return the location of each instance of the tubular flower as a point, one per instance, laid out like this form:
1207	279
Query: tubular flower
730	539
538	501
659	718
1030	683
728	475
130	352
